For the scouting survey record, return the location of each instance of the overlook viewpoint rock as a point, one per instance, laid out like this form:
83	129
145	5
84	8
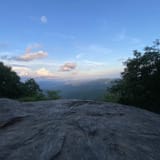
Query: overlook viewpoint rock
77	130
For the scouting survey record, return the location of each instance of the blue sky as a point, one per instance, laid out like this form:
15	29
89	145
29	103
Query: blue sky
69	39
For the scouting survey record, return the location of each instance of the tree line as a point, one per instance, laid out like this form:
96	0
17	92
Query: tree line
12	87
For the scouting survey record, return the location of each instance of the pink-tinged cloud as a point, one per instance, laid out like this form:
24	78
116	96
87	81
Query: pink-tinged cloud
32	52
29	56
68	67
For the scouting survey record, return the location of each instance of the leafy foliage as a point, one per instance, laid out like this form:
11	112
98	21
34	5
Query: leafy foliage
140	85
32	88
113	91
12	87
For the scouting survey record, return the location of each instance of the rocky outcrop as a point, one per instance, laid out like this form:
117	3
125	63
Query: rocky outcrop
77	130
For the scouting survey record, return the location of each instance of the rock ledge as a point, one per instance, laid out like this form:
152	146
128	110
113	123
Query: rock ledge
77	130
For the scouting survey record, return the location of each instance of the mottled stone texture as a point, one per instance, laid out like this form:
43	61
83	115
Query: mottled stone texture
77	130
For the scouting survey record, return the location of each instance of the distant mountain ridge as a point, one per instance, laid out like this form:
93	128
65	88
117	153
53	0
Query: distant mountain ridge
90	89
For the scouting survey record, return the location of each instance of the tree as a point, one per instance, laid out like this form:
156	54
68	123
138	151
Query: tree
10	85
140	85
31	88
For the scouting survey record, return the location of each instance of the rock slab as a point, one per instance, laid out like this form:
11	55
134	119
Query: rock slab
77	130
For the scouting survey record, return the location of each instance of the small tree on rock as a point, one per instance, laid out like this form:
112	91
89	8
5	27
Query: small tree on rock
32	88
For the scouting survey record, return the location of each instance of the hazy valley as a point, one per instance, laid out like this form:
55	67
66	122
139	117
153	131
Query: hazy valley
91	89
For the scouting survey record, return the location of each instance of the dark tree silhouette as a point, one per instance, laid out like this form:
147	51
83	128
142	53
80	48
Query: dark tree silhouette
31	87
10	85
140	83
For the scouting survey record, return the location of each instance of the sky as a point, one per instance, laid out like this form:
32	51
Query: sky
75	39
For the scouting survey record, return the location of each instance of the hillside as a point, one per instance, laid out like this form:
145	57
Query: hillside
76	130
91	89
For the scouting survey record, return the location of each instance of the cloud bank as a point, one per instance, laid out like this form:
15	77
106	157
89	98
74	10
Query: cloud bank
32	56
28	72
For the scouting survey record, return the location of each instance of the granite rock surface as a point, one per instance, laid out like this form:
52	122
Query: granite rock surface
77	130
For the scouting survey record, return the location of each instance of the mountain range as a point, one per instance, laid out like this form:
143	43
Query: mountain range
90	89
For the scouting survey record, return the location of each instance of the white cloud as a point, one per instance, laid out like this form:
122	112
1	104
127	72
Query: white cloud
32	52
43	72
27	72
22	71
68	67
29	56
43	19
73	74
